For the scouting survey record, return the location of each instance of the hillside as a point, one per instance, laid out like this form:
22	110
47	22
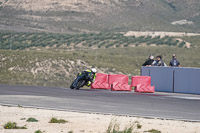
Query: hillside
59	67
47	42
83	16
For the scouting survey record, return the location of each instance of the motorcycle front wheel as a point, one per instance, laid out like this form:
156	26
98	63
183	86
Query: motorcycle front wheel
72	85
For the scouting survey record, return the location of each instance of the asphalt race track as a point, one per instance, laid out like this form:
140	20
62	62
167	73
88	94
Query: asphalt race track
157	105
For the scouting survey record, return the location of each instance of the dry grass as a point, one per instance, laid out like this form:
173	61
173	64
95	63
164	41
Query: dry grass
60	67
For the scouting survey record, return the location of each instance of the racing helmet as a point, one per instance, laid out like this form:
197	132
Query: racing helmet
94	70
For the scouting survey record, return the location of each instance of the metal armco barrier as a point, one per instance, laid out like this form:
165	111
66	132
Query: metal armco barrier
171	79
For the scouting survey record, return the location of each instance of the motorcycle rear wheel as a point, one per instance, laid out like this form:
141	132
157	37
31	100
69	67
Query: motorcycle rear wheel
72	85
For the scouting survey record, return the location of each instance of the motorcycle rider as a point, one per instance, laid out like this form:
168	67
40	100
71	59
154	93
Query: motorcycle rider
88	75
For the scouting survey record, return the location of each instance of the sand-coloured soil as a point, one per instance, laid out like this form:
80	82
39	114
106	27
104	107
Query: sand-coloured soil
85	122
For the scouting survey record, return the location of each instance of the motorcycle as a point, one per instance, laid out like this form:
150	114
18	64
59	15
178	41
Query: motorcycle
81	80
79	84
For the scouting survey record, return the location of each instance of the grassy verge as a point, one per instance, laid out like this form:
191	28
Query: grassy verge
194	40
60	67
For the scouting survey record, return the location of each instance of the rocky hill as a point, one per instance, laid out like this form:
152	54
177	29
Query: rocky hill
83	16
39	44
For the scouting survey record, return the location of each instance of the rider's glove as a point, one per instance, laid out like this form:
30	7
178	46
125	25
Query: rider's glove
89	83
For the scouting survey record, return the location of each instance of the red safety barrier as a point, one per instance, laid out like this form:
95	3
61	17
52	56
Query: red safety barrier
117	78
115	82
101	82
146	80
119	82
117	86
142	84
142	88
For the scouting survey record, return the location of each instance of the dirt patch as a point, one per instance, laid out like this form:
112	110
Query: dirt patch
85	122
159	33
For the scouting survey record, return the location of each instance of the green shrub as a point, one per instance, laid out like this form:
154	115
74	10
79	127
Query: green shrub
101	44
32	120
153	131
13	125
110	44
181	44
38	131
139	126
125	45
54	120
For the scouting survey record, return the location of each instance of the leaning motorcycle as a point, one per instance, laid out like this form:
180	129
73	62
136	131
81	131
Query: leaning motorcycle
78	83
81	80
